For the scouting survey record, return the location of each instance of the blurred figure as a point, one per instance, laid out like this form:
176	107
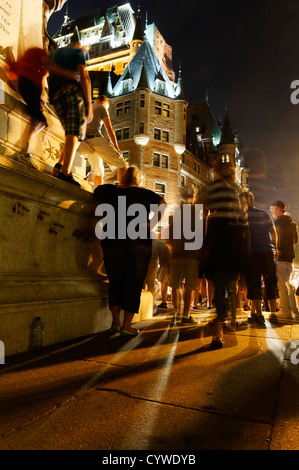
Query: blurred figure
151	275
224	250
206	286
106	149
287	237
72	102
261	266
31	71
164	256
126	259
184	263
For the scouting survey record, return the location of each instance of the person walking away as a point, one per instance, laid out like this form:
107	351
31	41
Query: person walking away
105	148
287	237
184	263
261	267
127	254
30	71
72	102
225	250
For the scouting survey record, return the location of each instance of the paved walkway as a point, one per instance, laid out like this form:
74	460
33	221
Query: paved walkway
164	389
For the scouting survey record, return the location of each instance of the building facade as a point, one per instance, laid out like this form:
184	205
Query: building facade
174	143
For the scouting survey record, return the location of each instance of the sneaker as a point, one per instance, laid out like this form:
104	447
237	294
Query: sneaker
163	305
27	160
68	178
188	321
57	169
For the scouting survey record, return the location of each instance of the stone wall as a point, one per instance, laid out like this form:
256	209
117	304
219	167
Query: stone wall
49	259
49	256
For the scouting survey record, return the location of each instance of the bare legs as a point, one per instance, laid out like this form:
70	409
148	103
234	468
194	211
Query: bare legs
32	132
126	329
68	153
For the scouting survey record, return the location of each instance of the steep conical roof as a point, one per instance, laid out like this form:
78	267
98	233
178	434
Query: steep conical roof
227	136
138	33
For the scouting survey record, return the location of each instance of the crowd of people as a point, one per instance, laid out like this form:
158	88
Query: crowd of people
246	256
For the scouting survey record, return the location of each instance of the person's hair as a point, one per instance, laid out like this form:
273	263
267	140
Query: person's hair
102	99
282	205
249	197
75	36
131	177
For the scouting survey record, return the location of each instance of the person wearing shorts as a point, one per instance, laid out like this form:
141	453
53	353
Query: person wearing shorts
105	148
184	265
72	103
261	260
31	70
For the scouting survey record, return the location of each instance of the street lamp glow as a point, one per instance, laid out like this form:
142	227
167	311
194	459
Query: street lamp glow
141	139
179	148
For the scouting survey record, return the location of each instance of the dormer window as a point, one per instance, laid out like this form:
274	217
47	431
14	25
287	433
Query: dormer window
160	86
127	85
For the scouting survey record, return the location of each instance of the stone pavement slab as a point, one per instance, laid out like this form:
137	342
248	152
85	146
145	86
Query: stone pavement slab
164	389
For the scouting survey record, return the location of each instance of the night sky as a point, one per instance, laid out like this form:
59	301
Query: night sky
246	54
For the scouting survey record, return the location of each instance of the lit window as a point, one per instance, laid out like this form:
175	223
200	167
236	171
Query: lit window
95	93
166	110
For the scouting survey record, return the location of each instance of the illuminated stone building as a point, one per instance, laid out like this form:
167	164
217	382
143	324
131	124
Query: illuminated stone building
149	113
208	140
112	37
173	143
